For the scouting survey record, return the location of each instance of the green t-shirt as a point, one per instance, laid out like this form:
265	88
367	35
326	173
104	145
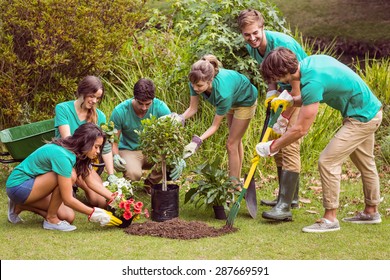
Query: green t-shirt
126	120
65	114
275	40
326	80
229	89
49	157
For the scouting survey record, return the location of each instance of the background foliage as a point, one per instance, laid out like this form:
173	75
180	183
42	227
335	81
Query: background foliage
46	47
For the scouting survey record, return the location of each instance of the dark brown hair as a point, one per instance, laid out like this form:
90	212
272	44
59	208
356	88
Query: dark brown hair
80	143
278	63
87	86
144	90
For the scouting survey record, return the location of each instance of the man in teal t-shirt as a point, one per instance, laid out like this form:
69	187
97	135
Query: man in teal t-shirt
323	79
127	117
259	43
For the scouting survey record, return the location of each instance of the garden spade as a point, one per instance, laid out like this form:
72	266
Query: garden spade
236	206
250	196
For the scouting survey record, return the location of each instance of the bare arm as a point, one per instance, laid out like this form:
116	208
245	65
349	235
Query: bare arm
213	128
65	185
115	149
194	102
64	130
306	117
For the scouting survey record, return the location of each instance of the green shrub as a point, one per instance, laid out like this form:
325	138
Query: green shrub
46	47
212	27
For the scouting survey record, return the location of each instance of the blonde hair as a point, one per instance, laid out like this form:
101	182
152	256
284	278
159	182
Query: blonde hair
250	16
204	69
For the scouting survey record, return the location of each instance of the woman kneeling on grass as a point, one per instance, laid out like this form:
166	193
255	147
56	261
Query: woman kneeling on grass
42	183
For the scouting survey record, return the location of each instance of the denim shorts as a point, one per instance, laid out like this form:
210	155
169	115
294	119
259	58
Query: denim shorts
19	194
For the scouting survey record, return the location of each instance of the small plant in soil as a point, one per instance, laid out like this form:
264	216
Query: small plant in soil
211	186
162	141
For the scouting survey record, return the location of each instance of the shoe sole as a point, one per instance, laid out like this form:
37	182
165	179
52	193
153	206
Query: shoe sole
368	222
65	230
285	219
320	231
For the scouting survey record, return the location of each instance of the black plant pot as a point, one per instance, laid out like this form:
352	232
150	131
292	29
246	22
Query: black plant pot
219	212
125	223
165	204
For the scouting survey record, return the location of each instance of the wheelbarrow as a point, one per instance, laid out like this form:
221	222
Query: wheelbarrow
21	141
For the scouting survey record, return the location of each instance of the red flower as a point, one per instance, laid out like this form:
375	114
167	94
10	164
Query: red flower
127	215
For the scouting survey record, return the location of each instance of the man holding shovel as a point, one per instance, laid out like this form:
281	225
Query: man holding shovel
323	79
259	43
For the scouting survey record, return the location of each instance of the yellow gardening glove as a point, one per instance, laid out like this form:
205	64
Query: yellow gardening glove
284	99
105	218
270	96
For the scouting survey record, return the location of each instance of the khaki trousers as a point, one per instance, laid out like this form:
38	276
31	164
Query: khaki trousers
135	163
356	140
289	157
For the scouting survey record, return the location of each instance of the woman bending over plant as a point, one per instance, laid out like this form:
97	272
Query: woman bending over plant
42	183
233	96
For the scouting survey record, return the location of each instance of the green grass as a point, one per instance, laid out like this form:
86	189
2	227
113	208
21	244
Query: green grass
256	238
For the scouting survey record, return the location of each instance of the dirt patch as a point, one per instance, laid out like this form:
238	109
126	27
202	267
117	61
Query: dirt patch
178	229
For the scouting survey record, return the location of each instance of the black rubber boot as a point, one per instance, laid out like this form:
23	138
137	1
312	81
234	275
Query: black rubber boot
281	211
272	203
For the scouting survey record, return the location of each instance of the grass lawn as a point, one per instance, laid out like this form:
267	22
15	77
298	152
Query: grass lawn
256	239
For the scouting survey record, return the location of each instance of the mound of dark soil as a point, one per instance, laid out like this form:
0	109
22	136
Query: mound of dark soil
178	229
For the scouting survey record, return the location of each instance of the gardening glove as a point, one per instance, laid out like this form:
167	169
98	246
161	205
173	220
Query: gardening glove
176	117
191	148
119	163
284	99
281	124
105	218
112	178
263	149
178	170
270	96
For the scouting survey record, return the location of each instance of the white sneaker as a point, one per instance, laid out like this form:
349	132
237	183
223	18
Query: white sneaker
12	216
61	226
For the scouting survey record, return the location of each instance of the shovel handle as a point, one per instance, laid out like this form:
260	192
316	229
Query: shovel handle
265	137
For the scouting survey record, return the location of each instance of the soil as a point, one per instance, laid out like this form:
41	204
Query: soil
178	229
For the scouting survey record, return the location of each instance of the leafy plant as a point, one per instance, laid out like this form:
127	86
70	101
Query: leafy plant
47	46
162	141
212	27
111	132
211	186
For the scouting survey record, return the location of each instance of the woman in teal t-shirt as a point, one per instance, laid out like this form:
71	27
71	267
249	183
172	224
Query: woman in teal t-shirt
70	115
42	183
233	96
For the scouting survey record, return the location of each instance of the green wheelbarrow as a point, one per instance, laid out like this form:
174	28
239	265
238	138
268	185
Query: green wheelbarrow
21	141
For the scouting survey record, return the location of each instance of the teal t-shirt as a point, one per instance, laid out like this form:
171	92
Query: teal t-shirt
326	80
65	114
49	157
230	89
275	40
126	120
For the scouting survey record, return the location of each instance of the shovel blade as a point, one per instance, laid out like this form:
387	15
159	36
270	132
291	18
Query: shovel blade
250	198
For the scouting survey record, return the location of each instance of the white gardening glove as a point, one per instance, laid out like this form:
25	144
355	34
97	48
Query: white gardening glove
284	99
281	124
103	217
263	149
191	148
178	169
270	96
112	178
176	117
119	163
